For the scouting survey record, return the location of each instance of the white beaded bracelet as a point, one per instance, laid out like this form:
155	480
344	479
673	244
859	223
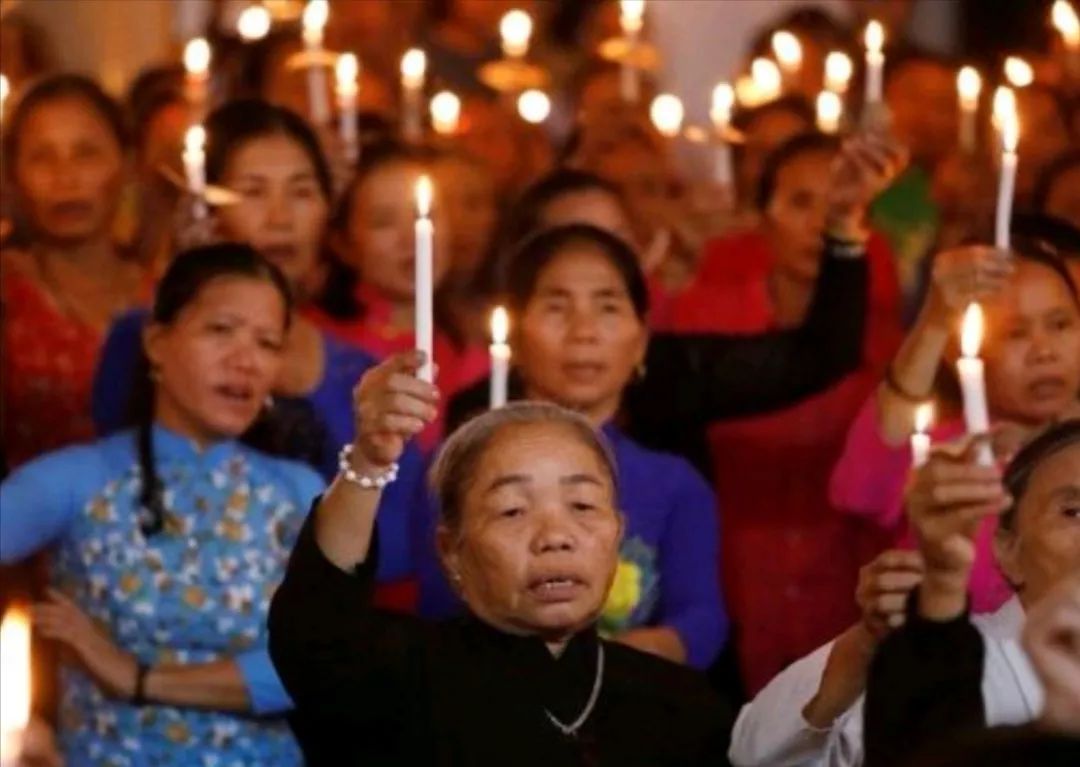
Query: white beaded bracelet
368	483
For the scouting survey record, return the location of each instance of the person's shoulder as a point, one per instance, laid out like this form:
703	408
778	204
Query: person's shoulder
342	356
85	460
669	685
655	465
301	481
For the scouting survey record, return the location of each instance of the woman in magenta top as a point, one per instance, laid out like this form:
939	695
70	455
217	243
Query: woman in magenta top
1032	355
770	471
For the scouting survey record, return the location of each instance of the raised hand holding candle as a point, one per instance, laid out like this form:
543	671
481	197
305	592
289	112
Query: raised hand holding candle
316	14
767	78
632	21
920	439
973	380
788	51
197	56
500	358
445	111
723	101
346	72
195	168
515	29
534	106
838	71
1064	18
875	61
413	72
14	685
829	111
667	113
968	87
1010	137
425	285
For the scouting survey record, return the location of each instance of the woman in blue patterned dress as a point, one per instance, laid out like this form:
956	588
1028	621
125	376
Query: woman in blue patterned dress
168	540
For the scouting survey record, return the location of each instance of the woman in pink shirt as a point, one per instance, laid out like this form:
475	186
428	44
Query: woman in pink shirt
1032	355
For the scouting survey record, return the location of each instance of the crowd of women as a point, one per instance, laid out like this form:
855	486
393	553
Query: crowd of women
252	534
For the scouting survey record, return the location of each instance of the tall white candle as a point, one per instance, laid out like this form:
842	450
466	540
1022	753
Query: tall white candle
829	111
1010	137
515	29
316	14
788	51
346	73
667	115
968	86
500	357
197	57
1065	20
875	61
838	71
632	20
920	439
973	380
445	113
425	286
723	101
194	158
413	72
14	685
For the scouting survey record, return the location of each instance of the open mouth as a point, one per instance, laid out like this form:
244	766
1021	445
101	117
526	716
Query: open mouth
239	394
583	372
556	588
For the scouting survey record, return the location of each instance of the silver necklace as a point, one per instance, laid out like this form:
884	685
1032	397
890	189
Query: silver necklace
571	730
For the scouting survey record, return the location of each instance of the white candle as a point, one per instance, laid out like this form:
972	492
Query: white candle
788	51
723	101
254	23
534	106
413	72
667	114
425	287
838	71
1010	137
346	72
316	14
973	380
195	167
445	113
968	87
1004	105
14	684
875	61
767	78
4	90
197	56
1065	21
829	111
920	439
515	29
1018	72
632	20
500	357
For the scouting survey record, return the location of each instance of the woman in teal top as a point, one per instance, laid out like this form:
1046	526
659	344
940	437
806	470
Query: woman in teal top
168	541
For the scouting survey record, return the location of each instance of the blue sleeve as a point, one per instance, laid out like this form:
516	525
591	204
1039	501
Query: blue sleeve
396	518
690	599
114	378
39	500
264	688
437	600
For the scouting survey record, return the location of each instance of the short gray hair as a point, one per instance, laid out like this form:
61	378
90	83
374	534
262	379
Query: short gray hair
456	463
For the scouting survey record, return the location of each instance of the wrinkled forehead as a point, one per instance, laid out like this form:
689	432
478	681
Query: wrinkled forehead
1055	480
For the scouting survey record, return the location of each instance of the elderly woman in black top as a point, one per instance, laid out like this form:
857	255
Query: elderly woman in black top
529	535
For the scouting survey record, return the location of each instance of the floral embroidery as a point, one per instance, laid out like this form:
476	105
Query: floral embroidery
635	591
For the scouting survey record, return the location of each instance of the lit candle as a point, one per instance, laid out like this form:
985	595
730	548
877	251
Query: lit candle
425	286
346	72
195	167
4	89
445	111
838	71
316	14
1004	105
767	79
14	685
973	380
413	72
723	101
747	93
632	20
515	29
875	61
968	86
1066	22
1018	72
197	75
788	51
667	114
829	111
920	439
534	106
1010	137
254	23
500	357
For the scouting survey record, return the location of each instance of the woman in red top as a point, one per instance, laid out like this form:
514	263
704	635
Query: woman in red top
790	560
64	150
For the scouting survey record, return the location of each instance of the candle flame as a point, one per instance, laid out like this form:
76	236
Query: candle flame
445	113
767	78
924	416
723	101
316	14
667	114
5	88
424	193
875	36
14	680
1018	72
195	139
1004	105
197	56
747	92
969	84
971	332
413	68
515	29
1066	22
829	109
632	15
500	325
346	70
787	48
254	23
838	71
534	106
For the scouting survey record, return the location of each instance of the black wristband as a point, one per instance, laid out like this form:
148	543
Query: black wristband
138	697
894	386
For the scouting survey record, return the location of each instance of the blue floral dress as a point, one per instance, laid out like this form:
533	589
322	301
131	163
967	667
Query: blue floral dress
198	591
